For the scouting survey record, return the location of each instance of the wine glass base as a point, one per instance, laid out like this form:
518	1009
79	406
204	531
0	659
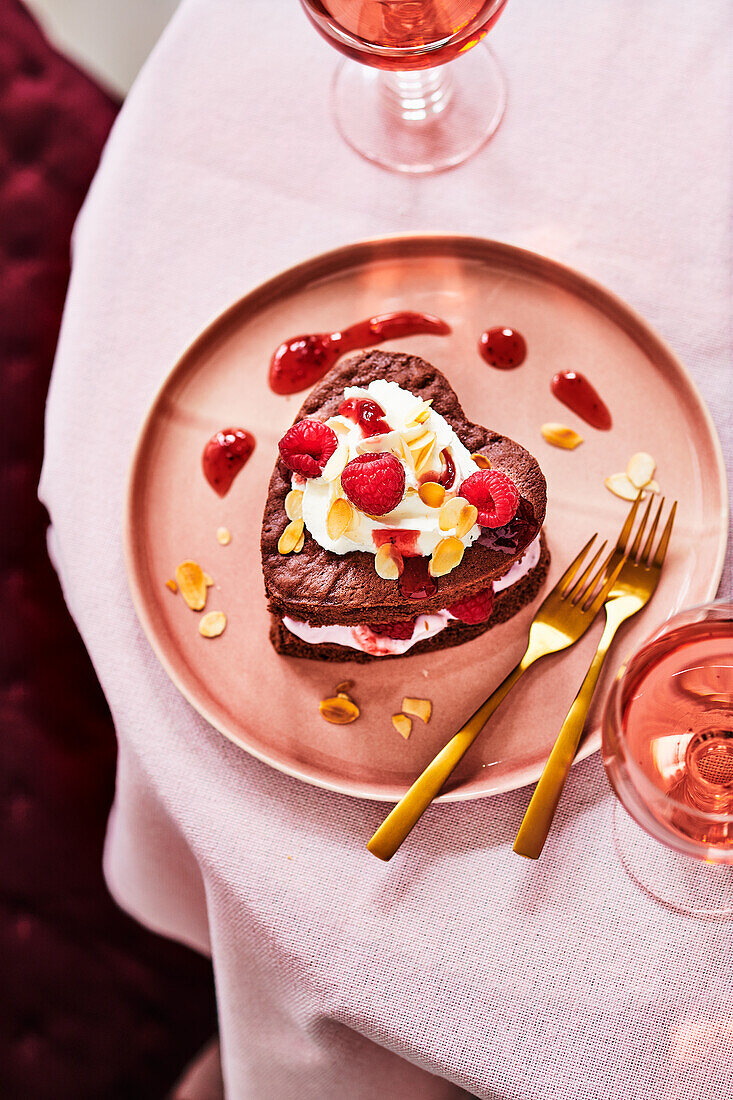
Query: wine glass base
679	882
424	121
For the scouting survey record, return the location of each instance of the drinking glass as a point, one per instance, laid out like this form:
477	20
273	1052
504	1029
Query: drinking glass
668	753
413	94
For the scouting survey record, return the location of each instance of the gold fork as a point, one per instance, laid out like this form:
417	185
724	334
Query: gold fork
562	619
632	589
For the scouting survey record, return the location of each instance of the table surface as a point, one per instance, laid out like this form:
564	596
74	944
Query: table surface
456	966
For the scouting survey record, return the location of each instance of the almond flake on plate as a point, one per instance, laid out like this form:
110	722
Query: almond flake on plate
640	469
419	708
339	710
223	536
402	724
620	486
212	624
558	435
192	584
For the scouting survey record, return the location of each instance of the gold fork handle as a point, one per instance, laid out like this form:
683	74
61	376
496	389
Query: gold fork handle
541	810
412	806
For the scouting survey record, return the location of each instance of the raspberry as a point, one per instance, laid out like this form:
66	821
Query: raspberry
375	483
494	494
403	630
366	413
475	609
307	446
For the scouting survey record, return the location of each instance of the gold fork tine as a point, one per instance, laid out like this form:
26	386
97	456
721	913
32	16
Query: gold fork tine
580	583
599	573
640	533
628	524
664	541
602	596
647	551
572	569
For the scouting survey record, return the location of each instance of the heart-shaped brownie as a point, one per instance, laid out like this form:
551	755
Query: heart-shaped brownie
313	590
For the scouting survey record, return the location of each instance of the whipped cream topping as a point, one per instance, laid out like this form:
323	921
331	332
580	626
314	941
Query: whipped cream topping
410	442
364	639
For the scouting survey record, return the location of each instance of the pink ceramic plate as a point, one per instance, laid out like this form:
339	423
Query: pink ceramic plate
268	704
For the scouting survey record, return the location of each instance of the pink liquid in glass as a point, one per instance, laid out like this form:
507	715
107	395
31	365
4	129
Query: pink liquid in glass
678	732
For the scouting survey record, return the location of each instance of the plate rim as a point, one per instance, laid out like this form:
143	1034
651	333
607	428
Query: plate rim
327	262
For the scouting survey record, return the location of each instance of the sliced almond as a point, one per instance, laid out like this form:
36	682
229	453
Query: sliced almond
339	424
212	624
290	537
466	519
481	461
223	536
640	469
294	504
403	451
652	487
387	441
421	413
416	435
339	517
446	556
620	486
402	724
344	686
190	578
419	708
388	562
424	456
450	513
432	494
561	436
171	585
208	580
339	709
353	530
335	465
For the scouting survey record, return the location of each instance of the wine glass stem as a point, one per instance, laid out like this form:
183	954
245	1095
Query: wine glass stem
417	96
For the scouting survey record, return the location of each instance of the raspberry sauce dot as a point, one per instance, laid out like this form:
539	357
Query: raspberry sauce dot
503	348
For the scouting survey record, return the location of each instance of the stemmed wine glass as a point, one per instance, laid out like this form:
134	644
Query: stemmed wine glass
413	94
668	752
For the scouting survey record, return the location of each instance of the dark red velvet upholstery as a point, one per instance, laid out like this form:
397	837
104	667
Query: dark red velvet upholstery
90	1004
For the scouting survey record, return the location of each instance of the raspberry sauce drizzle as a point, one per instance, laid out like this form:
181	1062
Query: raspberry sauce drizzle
575	391
367	414
302	360
224	456
403	540
415	583
448	475
520	531
502	347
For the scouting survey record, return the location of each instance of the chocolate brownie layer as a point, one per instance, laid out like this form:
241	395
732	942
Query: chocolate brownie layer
322	588
507	603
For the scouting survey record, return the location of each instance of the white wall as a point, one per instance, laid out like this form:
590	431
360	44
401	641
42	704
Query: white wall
109	38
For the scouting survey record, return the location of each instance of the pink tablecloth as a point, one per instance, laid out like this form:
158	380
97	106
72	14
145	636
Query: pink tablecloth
337	975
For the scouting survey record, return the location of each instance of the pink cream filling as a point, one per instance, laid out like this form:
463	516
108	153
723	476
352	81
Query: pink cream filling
377	645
